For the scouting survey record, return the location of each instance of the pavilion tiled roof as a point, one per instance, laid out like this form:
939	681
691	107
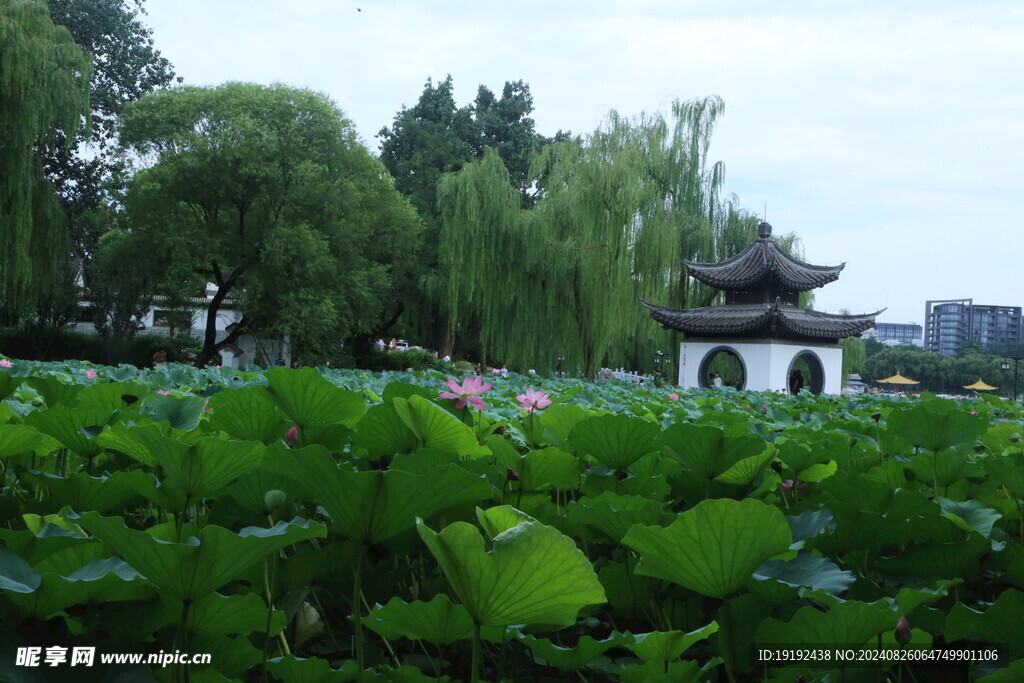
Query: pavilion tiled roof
754	320
760	263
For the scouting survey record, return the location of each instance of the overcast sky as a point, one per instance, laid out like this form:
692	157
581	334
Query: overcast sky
889	135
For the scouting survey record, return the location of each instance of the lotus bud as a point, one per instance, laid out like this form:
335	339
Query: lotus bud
292	437
511	474
308	623
274	499
903	634
764	408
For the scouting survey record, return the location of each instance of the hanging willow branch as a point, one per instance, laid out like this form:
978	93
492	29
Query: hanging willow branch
615	219
44	86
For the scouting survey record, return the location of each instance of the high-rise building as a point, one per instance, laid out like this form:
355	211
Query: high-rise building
950	323
896	334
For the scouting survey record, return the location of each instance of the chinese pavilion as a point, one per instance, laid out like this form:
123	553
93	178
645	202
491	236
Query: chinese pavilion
761	322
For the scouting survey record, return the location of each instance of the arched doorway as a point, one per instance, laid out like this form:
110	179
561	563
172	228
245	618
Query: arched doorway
806	371
729	366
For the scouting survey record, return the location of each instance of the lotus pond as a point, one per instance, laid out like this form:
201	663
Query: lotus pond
308	526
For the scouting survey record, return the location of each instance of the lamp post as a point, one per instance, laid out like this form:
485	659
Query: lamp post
558	368
660	359
1005	365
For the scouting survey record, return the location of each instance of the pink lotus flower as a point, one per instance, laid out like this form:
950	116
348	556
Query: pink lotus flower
469	392
673	397
91	374
292	436
495	371
165	392
4	363
789	485
533	401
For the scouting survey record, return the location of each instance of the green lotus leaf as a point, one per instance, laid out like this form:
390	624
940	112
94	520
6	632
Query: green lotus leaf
383	433
746	470
797	456
714	547
933	560
615	440
310	400
251	488
194	471
818	472
809	524
79	491
849	622
549	468
533	574
34	548
292	669
806	569
438	621
200	565
1008	471
102	580
247	414
405	390
375	506
667	646
16	575
936	424
223	615
569	659
435	427
110	395
969	515
17	439
942	468
54	391
73	427
181	412
613	514
708	452
670	672
1001	623
8	384
559	420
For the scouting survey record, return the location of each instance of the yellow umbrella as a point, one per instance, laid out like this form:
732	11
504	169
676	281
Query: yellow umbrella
981	386
897	379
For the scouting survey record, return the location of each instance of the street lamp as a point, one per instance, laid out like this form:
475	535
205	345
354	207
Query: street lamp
661	358
558	368
1004	365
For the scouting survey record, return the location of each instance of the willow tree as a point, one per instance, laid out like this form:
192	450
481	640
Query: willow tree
615	215
44	87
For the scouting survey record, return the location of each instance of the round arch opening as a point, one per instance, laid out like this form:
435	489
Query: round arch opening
727	364
806	372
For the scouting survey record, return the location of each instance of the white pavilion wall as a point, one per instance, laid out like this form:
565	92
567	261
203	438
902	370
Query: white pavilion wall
766	363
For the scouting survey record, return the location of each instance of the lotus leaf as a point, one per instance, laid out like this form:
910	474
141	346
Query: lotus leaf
532	575
714	547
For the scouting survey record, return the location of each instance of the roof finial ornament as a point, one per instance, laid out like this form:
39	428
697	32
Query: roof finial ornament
764	230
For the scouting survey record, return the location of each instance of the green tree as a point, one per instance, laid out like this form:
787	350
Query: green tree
617	215
126	65
854	356
121	288
267	192
44	81
435	137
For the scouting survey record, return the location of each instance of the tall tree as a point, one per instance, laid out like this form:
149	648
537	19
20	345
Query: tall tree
267	192
44	79
617	214
436	136
126	65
